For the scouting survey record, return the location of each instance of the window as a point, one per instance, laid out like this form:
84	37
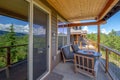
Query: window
14	30
62	37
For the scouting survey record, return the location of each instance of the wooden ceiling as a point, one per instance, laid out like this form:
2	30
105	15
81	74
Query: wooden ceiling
114	10
14	8
74	10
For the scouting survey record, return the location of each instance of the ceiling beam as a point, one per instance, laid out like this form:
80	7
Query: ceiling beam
13	14
83	24
106	9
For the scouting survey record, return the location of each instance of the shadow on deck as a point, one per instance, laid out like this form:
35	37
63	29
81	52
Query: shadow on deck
17	71
67	71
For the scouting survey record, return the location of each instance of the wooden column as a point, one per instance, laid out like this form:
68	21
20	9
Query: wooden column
63	43
76	38
98	38
68	35
107	61
8	57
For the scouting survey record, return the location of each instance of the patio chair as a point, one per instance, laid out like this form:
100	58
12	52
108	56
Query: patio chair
67	54
75	48
86	65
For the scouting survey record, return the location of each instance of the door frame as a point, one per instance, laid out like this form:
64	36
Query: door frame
30	56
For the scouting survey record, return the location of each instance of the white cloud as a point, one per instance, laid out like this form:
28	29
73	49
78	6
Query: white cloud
39	30
17	28
85	28
103	30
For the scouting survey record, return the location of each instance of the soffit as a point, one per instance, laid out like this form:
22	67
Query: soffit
74	10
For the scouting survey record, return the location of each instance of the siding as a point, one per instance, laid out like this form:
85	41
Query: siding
55	58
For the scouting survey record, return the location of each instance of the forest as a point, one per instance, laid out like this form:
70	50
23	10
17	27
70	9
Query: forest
17	53
111	40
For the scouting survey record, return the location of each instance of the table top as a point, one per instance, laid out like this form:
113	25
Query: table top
89	52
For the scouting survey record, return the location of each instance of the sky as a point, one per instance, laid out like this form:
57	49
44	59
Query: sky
111	23
19	25
22	26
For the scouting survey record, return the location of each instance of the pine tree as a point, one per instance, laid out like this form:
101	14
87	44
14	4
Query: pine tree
11	42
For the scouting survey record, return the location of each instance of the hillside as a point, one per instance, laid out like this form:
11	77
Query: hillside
118	33
17	34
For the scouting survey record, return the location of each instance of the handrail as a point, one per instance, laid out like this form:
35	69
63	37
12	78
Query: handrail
88	43
112	50
13	46
9	54
107	58
108	51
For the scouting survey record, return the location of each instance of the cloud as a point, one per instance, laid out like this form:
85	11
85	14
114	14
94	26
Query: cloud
85	28
103	30
17	28
39	30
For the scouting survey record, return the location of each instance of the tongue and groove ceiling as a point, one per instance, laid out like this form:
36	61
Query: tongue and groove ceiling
74	10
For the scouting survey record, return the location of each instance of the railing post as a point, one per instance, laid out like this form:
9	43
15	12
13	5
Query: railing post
80	44
8	56
107	61
8	62
98	38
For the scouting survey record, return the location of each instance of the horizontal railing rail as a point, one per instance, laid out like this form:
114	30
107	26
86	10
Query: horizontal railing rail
112	61
8	52
88	45
13	46
110	49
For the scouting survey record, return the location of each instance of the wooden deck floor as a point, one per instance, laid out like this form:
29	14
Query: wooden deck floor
67	70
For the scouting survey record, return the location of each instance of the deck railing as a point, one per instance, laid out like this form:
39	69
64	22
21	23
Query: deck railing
111	61
110	58
7	53
90	44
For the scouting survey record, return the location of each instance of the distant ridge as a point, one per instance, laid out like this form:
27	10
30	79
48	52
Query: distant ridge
118	33
17	33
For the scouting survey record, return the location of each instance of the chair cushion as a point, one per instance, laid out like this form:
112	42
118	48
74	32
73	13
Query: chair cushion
75	48
70	56
67	53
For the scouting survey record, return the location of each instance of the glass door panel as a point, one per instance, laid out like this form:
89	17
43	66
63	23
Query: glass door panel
40	50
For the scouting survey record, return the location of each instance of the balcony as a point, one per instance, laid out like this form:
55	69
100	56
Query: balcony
65	71
42	18
108	68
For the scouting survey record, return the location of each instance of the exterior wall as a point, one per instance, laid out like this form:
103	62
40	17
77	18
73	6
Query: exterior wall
55	58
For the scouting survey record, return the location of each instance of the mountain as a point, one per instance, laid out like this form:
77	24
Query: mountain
62	34
17	34
118	33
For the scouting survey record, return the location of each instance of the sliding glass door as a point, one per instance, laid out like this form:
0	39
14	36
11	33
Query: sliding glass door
40	42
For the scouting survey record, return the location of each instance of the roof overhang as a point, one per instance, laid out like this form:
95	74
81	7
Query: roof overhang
74	10
83	24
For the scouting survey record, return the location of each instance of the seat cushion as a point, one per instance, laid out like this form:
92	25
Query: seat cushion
67	53
75	48
70	56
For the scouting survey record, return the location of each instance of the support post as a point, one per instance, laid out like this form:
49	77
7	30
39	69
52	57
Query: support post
107	61
8	62
8	57
63	43
68	36
76	38
98	38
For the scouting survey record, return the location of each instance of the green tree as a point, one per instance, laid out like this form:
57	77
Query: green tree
11	42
